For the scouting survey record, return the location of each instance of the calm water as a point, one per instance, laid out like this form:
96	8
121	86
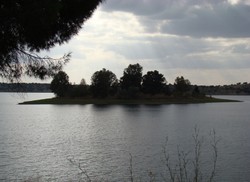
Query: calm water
38	141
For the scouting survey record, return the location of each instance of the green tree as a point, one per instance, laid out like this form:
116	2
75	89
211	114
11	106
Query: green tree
60	84
196	91
79	91
132	77
130	82
182	85
153	82
103	83
28	27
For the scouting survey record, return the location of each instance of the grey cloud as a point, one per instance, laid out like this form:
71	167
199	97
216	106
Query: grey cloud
204	18
220	21
184	52
155	7
216	62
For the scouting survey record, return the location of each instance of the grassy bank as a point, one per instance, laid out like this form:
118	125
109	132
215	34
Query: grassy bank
147	101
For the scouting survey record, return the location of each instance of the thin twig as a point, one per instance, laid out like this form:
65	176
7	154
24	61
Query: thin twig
131	167
83	171
214	144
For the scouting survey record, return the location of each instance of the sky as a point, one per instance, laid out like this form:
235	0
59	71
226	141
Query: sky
206	41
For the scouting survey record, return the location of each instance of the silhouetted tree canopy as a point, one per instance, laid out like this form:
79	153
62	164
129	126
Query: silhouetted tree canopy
182	85
103	83
29	26
60	84
132	85
132	77
153	82
196	91
78	91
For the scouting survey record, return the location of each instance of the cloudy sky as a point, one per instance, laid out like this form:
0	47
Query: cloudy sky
206	41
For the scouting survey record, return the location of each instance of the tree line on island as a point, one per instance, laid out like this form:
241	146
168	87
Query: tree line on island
133	84
104	83
240	88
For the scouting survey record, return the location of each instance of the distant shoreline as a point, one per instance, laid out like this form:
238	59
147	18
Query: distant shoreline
148	101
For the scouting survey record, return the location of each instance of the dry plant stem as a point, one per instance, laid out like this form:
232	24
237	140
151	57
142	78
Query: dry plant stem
151	176
214	144
180	172
167	162
183	161
197	156
83	171
131	167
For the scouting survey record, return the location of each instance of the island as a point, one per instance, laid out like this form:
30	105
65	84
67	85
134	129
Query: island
149	101
132	88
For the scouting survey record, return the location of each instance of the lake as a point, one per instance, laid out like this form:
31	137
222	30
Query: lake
49	142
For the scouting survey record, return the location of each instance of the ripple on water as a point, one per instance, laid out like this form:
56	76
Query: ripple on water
39	141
